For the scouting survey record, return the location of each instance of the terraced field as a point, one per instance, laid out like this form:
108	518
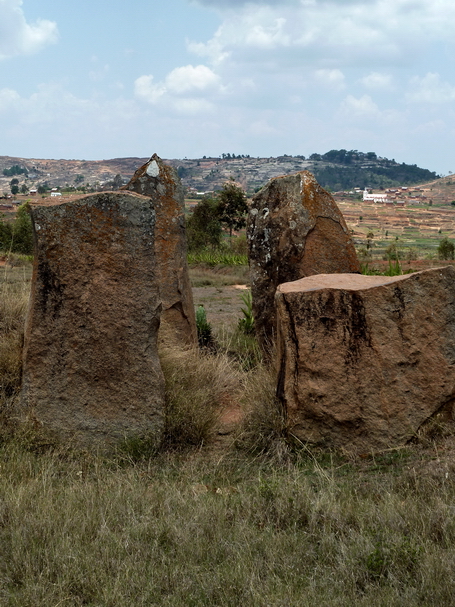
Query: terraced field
415	229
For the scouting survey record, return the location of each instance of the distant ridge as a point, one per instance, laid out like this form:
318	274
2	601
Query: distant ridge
336	170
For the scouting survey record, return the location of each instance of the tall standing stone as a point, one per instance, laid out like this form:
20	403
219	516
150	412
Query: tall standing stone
295	229
161	183
366	360
91	368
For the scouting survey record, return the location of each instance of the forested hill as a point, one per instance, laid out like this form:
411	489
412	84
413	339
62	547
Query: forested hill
336	170
342	170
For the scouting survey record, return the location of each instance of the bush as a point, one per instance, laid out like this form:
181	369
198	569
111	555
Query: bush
17	236
203	228
446	249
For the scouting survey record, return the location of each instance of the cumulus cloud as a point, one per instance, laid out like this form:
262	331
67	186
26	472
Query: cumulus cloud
8	99
332	78
185	88
377	81
189	79
346	32
430	89
359	107
17	36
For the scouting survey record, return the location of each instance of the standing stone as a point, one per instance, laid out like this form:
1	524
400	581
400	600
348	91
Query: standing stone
365	360
161	183
295	229
91	368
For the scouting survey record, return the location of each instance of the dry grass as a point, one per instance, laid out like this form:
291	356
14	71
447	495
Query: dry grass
14	294
266	525
198	384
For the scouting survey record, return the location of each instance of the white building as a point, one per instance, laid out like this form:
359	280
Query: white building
381	198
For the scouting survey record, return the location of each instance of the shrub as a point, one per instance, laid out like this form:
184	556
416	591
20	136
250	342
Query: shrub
446	249
246	324
203	228
204	329
17	236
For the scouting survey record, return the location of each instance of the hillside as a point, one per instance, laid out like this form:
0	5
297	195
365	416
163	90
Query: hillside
336	170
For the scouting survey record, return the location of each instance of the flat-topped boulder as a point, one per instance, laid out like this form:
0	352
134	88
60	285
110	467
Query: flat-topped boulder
162	184
365	360
91	370
295	229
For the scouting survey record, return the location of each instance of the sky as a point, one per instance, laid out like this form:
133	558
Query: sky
102	79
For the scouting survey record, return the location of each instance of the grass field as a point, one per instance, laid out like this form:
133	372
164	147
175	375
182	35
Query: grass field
249	519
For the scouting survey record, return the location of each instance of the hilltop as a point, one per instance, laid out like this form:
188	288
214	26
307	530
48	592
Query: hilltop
335	170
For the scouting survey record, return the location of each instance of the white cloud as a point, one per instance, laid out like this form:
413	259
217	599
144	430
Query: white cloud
8	99
377	81
190	79
268	36
430	89
332	78
359	107
327	33
17	37
145	89
187	89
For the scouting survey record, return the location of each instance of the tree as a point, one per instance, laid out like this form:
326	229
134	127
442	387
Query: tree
14	185
203	228
17	235
232	206
446	249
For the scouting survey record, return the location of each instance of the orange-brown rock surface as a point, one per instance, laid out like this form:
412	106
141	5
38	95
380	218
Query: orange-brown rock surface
366	360
295	229
91	369
161	183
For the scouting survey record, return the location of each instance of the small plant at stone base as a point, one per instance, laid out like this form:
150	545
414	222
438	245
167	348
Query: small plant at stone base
204	329
246	324
394	268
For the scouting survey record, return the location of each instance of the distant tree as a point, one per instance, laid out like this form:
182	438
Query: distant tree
79	179
203	227
232	206
14	185
24	189
15	170
446	249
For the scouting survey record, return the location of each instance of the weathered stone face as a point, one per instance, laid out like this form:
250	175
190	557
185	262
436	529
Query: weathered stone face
365	360
294	230
91	369
161	183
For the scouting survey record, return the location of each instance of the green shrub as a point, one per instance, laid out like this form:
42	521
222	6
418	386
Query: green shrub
446	249
17	236
204	329
246	324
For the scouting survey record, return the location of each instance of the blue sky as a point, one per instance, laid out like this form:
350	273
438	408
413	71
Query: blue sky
187	78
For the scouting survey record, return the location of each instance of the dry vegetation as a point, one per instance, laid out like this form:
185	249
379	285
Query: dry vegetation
255	520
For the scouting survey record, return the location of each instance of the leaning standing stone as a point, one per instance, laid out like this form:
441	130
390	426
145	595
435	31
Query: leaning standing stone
91	369
366	360
295	229
162	184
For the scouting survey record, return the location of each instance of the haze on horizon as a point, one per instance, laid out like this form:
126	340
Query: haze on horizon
188	78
